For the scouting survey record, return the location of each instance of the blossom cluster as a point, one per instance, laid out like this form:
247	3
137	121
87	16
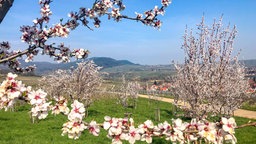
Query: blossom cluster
123	129
40	106
75	126
37	35
11	90
61	106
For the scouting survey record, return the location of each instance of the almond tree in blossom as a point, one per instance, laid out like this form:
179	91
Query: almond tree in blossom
55	83
84	81
128	92
123	96
80	83
37	35
211	80
133	90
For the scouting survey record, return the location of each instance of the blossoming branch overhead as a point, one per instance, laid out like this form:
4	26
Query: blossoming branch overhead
40	32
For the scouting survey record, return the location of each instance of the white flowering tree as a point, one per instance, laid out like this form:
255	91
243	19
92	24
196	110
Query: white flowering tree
37	35
128	92
84	82
81	83
133	90
211	80
55	83
122	93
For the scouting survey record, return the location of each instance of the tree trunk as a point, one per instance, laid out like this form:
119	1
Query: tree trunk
157	114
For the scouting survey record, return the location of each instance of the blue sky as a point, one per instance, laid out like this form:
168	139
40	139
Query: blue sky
133	41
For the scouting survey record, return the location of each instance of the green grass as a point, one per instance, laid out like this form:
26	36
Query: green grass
16	128
245	135
249	106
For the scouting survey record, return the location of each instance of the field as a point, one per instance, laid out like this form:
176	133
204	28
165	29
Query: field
16	128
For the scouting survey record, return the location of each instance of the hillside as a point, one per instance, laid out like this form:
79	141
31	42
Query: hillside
104	62
110	65
107	62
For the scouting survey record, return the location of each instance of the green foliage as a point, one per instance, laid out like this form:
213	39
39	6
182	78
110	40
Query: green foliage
249	106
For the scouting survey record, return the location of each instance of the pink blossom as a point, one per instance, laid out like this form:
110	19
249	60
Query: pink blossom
60	106
45	10
78	111
40	111
115	13
228	125
37	97
59	31
166	2
133	135
146	137
138	15
94	128
107	3
80	53
10	91
73	128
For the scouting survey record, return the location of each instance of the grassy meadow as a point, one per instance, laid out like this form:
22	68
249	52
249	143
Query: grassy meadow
16	128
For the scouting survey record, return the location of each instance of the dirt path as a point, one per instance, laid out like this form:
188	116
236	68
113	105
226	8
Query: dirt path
239	112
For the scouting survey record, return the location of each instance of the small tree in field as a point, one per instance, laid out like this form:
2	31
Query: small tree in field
128	92
211	80
84	81
55	83
122	93
79	84
133	91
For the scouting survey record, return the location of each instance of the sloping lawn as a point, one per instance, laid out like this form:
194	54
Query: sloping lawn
16	128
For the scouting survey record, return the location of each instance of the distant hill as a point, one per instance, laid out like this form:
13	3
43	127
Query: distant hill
107	62
104	62
249	63
109	65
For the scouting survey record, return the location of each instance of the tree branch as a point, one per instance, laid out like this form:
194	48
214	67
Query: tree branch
19	54
248	124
